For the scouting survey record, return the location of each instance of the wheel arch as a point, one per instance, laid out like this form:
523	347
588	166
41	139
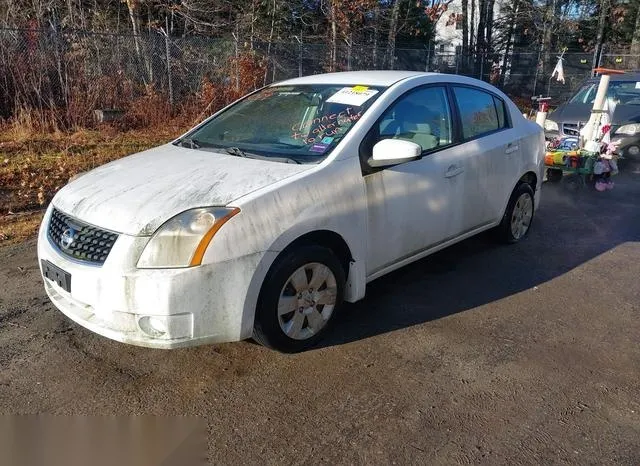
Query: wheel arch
531	178
354	269
325	238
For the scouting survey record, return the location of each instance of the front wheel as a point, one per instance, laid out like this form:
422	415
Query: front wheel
517	218
299	298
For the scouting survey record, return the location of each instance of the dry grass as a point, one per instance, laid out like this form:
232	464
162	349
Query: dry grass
35	165
19	227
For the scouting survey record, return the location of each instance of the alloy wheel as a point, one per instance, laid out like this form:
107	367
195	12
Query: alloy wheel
521	216
307	301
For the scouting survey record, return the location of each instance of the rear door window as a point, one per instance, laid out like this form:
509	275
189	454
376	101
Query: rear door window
502	112
478	112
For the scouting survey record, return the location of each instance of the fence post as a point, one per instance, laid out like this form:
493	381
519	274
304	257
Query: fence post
299	39
426	65
300	54
535	79
168	53
235	41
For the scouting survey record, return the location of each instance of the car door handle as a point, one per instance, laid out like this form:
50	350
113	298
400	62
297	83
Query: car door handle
453	170
511	148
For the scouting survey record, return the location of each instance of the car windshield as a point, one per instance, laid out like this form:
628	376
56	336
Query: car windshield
286	123
622	92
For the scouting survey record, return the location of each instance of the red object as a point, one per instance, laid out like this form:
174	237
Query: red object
607	71
544	106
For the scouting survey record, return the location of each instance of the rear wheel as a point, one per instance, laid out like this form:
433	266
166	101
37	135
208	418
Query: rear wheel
299	298
518	216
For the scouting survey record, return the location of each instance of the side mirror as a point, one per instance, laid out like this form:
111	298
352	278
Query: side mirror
393	152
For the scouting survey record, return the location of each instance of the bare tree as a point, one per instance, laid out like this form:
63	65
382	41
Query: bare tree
391	39
635	42
602	18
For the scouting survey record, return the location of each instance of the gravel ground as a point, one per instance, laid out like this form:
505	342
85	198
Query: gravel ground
524	354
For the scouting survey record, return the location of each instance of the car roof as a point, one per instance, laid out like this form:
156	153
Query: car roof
372	78
627	76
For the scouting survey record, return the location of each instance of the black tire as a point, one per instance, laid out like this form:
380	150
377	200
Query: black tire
267	330
554	175
504	230
573	182
635	158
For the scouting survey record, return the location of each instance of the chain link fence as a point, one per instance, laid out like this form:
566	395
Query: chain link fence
70	74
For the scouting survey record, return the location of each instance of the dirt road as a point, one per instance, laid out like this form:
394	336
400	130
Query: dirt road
480	354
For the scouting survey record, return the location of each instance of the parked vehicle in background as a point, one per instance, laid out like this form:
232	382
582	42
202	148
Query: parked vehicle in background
624	89
263	219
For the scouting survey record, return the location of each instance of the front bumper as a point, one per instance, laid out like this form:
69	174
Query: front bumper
191	306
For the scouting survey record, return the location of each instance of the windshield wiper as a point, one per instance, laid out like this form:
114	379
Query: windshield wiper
240	153
236	151
190	143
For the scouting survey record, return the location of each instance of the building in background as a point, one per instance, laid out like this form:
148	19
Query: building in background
448	36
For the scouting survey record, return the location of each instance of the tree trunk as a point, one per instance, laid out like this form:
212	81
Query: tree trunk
133	16
465	30
547	36
480	40
472	26
488	40
273	24
391	40
635	44
253	20
376	32
334	36
604	11
70	11
510	31
489	25
132	6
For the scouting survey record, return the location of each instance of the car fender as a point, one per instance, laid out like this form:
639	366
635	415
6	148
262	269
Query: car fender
330	198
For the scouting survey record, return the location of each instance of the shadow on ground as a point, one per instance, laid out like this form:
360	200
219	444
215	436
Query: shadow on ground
570	228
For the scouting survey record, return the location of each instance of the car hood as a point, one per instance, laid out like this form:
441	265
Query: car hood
580	112
136	194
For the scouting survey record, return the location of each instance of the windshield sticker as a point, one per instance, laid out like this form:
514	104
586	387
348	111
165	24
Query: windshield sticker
360	88
351	96
638	85
319	148
327	140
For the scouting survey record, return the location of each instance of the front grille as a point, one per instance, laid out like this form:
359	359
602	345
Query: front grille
572	129
79	240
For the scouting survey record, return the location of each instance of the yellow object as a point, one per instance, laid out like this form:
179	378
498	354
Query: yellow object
558	157
206	239
360	88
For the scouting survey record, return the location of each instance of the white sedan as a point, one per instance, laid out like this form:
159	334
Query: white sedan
262	220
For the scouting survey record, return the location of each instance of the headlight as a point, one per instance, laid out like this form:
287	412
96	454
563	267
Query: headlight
182	241
550	125
629	130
